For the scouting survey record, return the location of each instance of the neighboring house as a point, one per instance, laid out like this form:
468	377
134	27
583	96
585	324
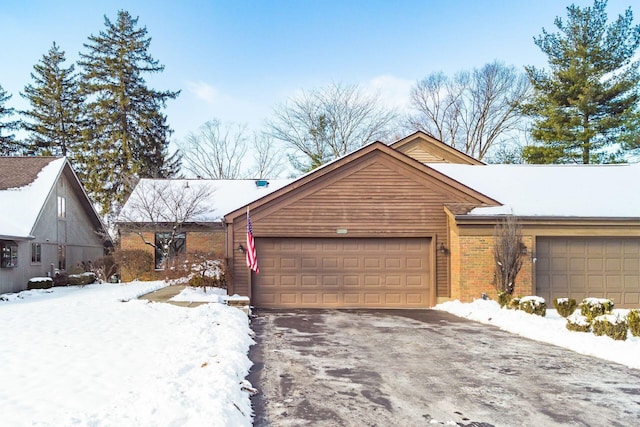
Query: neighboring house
155	208
411	224
48	222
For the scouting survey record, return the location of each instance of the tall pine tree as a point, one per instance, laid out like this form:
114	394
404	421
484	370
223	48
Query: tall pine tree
56	114
128	136
585	109
8	143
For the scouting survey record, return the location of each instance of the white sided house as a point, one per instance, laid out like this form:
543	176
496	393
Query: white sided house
47	220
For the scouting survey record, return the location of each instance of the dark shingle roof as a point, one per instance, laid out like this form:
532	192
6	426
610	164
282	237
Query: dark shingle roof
21	171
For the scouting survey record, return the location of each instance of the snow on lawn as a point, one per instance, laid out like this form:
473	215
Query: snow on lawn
550	329
191	294
97	356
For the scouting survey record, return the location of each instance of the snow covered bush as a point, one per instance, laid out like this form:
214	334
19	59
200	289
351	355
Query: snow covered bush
533	305
633	319
565	306
82	279
40	283
577	322
504	298
594	307
613	326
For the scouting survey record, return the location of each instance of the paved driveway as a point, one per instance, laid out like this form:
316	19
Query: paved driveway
424	367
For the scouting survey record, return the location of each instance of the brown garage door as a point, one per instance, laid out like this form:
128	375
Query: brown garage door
387	273
579	267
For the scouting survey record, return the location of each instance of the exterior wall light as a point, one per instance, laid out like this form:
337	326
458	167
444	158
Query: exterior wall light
241	248
442	248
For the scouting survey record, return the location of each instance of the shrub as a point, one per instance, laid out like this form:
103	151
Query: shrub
40	283
577	322
61	278
104	268
565	306
208	272
82	279
633	319
613	326
533	305
134	263
514	304
594	307
504	298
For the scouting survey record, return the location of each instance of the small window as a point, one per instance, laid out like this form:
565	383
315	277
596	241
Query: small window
62	207
177	246
62	257
36	253
8	254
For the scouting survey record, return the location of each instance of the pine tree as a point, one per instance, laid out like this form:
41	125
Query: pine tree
56	107
128	136
586	107
8	143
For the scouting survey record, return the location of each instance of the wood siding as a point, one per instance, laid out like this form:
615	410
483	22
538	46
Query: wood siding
375	195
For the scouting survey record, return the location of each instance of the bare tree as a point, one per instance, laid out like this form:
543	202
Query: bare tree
216	151
267	157
166	206
473	111
507	252
327	123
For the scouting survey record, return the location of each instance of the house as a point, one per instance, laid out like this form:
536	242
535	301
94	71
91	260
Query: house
411	224
48	222
157	206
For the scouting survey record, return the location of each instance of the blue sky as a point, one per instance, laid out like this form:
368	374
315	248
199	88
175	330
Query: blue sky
235	60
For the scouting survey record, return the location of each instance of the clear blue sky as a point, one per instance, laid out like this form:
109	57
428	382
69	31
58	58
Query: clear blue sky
234	60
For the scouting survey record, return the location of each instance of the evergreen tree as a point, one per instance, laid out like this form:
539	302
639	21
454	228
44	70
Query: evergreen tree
585	109
56	107
8	143
128	136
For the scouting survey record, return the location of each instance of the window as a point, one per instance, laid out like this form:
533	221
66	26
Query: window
175	247
62	257
8	253
62	207
36	253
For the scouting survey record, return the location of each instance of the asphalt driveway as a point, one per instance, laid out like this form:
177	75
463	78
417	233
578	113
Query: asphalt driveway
425	367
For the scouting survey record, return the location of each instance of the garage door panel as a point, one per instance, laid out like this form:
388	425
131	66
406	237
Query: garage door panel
581	267
343	272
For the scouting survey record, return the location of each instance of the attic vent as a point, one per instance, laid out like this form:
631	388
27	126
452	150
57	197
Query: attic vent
262	183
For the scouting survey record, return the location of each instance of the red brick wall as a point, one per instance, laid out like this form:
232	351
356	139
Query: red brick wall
473	259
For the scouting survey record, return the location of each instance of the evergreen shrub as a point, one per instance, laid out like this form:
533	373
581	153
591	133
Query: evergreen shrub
577	322
504	298
594	307
633	319
533	305
613	326
40	283
565	306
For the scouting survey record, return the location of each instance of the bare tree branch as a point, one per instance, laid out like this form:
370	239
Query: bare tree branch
327	123
473	111
216	151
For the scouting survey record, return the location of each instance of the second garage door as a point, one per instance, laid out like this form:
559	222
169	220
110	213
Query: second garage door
580	267
358	273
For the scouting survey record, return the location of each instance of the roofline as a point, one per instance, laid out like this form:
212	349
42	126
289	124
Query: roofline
51	188
546	218
406	140
7	237
362	151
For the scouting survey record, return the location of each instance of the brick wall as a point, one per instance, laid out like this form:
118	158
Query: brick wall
473	258
211	241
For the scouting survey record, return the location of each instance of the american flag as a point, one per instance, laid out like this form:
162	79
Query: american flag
252	259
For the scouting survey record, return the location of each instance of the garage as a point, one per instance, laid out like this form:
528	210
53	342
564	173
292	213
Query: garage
343	272
579	267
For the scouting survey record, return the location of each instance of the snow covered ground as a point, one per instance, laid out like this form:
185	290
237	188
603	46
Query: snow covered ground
550	329
97	356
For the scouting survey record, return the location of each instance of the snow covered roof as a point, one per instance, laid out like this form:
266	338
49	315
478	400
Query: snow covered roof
225	196
25	184
587	191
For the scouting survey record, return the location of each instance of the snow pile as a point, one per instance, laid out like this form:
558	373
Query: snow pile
191	294
97	356
550	329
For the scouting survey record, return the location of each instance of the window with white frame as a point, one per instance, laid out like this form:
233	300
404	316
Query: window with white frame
36	253
8	254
